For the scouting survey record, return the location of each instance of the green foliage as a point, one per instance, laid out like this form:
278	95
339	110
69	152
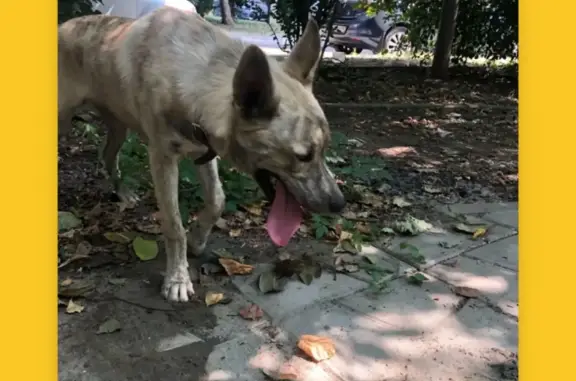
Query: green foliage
292	16
484	28
68	9
203	6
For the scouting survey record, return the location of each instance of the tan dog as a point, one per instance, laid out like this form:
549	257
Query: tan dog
169	72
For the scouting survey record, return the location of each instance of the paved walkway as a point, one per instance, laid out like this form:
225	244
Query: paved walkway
407	332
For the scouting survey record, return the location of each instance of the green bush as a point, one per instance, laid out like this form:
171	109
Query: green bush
68	9
292	16
484	28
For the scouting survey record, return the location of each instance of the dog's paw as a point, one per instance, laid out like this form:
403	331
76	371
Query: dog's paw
127	196
177	287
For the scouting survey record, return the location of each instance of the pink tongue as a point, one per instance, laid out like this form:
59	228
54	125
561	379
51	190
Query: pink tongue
285	216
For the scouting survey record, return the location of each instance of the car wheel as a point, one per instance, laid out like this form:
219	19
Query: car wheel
395	40
344	49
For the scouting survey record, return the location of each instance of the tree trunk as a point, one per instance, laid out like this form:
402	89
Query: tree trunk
226	10
443	47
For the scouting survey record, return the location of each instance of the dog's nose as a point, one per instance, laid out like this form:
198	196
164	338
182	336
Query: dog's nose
337	203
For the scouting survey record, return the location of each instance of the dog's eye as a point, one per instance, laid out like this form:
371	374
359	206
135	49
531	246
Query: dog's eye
307	157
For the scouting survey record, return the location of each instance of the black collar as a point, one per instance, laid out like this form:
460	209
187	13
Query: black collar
201	137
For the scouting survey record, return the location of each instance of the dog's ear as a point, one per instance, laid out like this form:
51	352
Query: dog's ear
303	59
253	87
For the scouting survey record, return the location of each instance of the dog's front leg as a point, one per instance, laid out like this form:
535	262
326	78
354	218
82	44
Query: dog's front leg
214	199
164	167
117	133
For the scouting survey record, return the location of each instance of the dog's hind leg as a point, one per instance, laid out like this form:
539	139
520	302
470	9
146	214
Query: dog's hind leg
177	286
115	137
214	200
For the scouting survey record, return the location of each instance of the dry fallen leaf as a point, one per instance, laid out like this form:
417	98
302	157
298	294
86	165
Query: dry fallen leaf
252	312
345	235
400	202
149	227
432	190
83	249
222	224
270	282
72	259
109	326
79	287
73	308
467	292
235	232
212	298
480	232
233	267
363	227
319	348
255	209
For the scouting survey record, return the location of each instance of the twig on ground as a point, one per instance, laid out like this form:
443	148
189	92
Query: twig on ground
453	106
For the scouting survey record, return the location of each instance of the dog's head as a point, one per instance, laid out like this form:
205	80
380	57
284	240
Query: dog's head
280	133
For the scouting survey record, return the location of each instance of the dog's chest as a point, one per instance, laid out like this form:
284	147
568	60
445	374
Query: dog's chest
186	139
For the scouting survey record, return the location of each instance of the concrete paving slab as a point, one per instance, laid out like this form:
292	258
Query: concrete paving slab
242	359
252	356
296	296
440	246
504	217
407	306
477	208
368	349
362	344
473	344
481	322
503	253
498	285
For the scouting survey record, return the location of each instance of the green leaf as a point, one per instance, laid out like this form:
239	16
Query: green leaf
349	246
67	221
306	277
321	231
372	258
266	282
280	284
417	279
145	249
118	237
465	228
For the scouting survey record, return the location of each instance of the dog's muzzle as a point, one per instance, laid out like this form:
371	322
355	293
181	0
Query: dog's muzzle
313	198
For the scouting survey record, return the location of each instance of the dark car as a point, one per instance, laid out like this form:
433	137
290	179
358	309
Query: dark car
354	30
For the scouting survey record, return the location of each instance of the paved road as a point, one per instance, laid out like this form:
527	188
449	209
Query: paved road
268	42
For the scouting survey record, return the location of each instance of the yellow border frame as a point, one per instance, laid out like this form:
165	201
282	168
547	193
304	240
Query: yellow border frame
29	168
547	209
28	157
